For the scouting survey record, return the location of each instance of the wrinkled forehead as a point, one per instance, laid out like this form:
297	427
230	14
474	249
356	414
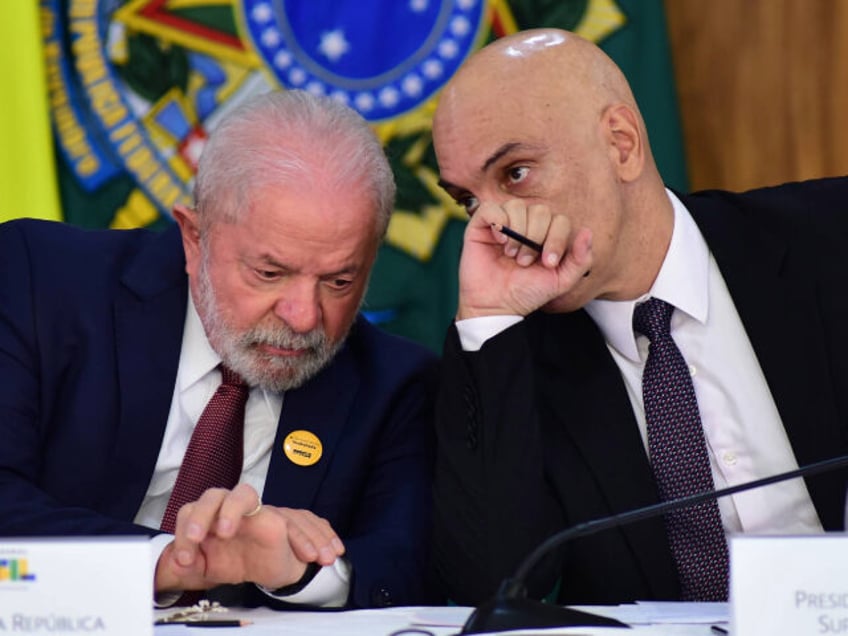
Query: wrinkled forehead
475	117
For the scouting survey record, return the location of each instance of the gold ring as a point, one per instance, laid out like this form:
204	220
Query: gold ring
255	511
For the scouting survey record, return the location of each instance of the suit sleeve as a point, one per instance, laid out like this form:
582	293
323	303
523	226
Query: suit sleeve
27	405
388	542
492	502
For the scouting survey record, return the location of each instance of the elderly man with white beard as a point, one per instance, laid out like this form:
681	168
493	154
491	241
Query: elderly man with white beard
213	386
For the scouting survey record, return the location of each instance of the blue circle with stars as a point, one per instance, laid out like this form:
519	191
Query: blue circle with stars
381	57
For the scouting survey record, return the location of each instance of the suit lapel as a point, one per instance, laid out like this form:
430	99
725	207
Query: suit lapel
593	410
322	406
778	308
149	316
776	297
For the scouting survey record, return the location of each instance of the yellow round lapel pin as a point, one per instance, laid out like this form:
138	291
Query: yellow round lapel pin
303	448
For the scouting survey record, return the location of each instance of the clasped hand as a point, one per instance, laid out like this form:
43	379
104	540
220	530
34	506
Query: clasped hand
500	276
218	539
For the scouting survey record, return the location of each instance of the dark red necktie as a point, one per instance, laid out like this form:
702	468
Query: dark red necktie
679	458
215	454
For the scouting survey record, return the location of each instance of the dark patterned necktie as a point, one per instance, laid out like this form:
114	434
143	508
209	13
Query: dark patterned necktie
679	458
215	454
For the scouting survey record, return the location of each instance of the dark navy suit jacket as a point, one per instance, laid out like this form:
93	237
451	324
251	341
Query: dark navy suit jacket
536	432
90	333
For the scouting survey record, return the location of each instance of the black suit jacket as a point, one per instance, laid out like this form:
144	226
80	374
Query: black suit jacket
536	431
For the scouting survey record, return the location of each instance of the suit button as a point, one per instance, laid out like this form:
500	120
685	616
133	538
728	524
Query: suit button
381	597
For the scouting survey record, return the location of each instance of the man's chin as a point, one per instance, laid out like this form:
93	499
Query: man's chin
272	376
275	372
277	382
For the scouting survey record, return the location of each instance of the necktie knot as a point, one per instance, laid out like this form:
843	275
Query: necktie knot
653	318
231	378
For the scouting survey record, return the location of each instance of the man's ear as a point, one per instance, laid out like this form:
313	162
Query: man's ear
186	218
627	144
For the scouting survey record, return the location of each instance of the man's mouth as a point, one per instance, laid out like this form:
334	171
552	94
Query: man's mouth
272	350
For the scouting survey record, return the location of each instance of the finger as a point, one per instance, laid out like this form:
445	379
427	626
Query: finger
298	538
578	260
312	537
583	254
172	575
320	534
301	545
193	522
234	508
516	211
479	226
537	228
556	242
320	527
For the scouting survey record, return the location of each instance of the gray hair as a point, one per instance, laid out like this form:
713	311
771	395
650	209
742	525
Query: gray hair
286	138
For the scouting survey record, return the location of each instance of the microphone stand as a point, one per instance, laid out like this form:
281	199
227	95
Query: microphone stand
511	609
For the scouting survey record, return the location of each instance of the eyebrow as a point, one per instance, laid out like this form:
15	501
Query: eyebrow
351	270
500	152
447	185
492	159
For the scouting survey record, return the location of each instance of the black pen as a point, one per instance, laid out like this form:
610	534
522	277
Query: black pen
518	237
718	629
524	240
207	623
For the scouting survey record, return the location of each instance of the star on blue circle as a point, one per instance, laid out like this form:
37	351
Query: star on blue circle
382	57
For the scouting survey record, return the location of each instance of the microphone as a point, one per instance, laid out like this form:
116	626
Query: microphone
511	609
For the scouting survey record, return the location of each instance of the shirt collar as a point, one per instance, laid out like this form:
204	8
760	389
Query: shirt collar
682	282
197	357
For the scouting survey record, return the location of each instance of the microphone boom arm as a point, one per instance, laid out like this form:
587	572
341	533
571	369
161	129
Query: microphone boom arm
632	516
511	609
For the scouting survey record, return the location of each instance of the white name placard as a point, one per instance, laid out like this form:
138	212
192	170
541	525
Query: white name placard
101	586
794	585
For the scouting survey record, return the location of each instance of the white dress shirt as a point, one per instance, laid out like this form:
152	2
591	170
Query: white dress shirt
197	380
745	437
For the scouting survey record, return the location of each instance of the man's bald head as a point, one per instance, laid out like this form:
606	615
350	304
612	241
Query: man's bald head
545	117
545	67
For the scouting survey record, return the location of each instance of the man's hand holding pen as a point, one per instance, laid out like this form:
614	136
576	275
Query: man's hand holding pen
503	271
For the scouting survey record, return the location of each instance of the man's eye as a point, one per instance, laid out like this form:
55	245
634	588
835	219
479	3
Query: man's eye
265	274
517	174
340	284
469	203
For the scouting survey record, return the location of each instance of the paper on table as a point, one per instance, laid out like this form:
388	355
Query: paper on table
677	612
266	622
454	616
662	612
446	621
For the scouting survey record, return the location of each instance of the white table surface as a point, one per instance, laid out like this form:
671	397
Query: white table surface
660	619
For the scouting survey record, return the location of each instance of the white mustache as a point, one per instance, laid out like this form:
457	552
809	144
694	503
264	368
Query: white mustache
282	337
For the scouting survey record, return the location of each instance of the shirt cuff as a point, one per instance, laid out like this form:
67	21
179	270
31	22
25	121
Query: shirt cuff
329	588
474	332
158	543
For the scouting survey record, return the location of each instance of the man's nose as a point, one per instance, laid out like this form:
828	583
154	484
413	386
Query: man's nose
298	305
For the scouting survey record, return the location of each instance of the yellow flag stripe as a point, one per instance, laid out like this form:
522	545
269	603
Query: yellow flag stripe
27	171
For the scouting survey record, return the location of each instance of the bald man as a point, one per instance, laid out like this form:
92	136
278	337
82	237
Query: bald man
541	419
